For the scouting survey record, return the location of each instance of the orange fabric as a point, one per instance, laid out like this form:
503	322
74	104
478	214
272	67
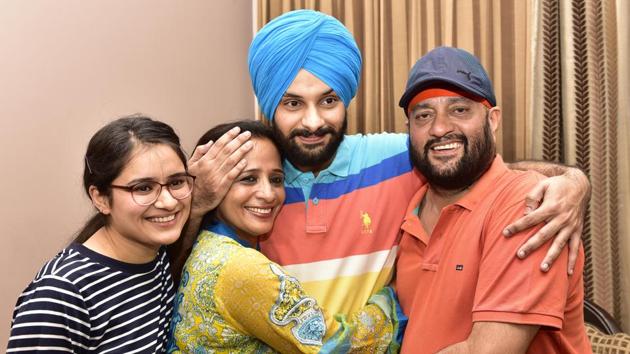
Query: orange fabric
466	271
446	91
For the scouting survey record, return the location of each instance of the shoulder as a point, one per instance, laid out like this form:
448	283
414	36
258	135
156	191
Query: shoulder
381	142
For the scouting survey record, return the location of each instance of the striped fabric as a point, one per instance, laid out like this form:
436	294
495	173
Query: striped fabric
84	302
338	231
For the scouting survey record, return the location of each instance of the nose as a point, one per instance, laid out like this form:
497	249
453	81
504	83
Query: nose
441	125
311	119
165	200
266	192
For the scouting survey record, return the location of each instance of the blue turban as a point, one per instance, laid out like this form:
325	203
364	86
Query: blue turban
303	39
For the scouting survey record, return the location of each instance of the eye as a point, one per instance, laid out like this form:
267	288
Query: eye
422	115
330	100
460	110
277	180
177	183
143	188
291	104
248	179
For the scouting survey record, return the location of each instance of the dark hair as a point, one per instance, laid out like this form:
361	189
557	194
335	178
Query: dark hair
109	151
176	251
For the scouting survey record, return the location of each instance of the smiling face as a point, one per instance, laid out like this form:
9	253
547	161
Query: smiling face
254	199
146	227
310	123
452	140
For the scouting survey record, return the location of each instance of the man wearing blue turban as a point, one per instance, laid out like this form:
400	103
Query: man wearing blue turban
346	195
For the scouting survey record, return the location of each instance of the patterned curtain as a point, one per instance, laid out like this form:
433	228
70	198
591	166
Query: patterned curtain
576	113
560	72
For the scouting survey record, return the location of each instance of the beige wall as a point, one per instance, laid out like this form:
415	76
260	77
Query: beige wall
69	66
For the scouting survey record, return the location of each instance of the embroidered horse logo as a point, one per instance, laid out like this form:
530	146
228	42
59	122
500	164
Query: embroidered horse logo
366	223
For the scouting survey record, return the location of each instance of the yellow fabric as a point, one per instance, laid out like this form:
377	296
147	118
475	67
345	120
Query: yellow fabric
233	299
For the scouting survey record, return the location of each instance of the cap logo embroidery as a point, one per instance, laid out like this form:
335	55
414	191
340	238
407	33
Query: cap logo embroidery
366	223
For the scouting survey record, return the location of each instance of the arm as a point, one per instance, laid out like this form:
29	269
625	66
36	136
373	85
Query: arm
215	166
50	313
494	337
560	201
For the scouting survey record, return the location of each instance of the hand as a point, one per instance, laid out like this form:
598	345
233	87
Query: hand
560	202
215	166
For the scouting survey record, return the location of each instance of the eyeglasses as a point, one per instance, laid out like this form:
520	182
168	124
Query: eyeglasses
147	192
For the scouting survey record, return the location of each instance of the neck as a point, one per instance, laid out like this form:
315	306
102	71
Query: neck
440	197
110	243
314	169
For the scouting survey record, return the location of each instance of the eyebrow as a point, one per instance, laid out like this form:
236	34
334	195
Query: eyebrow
450	100
151	179
292	95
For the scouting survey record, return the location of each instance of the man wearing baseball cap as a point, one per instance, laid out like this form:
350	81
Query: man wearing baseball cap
457	278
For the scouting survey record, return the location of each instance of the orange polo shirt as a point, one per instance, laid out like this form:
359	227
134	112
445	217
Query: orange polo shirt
467	271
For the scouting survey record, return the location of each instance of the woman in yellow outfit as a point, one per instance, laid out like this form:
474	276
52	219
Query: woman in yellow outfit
233	299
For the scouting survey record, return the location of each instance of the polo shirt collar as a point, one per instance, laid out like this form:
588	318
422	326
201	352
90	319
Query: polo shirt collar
479	189
220	228
339	167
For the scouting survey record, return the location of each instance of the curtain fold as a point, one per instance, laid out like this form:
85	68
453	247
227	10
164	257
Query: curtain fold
576	101
561	76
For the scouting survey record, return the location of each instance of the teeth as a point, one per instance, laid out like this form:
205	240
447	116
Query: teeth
163	219
446	147
259	210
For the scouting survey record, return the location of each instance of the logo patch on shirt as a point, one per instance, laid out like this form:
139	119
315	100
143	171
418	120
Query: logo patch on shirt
459	267
366	223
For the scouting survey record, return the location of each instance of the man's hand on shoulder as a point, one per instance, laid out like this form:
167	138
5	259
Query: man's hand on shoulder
560	202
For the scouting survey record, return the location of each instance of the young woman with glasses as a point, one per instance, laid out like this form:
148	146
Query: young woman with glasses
110	291
232	299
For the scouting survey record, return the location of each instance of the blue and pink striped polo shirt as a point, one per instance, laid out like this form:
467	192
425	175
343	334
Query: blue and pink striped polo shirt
338	231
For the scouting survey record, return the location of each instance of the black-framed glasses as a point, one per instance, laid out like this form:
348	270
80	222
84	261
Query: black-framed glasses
147	192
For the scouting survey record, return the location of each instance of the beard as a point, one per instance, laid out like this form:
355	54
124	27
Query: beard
479	153
311	155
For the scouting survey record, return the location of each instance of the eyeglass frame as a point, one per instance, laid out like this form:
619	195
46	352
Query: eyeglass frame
157	196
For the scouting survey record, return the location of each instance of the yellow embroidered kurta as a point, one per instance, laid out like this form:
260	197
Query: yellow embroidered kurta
233	299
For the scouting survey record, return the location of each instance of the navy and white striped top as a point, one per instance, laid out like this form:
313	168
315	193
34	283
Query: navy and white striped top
82	301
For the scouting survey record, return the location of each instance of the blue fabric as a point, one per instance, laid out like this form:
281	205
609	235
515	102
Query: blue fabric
220	228
452	66
303	39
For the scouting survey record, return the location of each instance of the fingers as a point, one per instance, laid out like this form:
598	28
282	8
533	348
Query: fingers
199	152
529	220
226	145
533	198
555	250
574	250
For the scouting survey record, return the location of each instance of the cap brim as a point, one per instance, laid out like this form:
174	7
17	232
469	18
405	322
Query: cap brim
412	91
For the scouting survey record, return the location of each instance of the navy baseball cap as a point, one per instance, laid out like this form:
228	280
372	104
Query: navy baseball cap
451	66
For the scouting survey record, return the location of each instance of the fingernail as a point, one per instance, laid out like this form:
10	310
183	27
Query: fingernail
528	210
506	232
570	271
544	267
235	129
248	145
521	254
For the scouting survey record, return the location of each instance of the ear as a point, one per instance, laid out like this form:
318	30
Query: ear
494	118
100	201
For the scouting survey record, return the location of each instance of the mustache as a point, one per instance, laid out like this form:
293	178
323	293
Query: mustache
452	136
307	133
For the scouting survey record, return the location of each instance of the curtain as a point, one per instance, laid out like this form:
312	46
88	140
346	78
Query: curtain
561	76
579	106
